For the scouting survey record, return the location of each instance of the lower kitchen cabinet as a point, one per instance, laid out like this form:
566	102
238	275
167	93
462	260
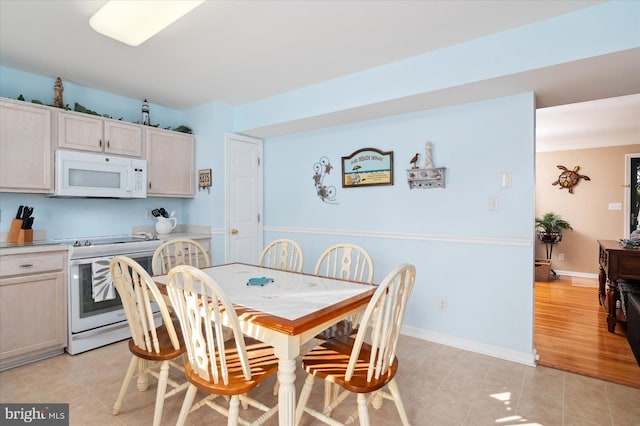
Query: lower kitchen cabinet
171	163
33	307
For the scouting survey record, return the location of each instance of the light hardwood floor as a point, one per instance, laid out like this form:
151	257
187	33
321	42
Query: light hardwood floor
570	333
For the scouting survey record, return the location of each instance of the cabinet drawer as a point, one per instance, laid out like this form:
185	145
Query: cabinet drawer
31	264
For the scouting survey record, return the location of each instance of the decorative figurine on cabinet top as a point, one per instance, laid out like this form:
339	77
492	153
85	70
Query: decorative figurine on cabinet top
427	177
145	113
58	88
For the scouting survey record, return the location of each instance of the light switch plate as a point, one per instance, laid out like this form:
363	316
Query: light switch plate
505	180
494	203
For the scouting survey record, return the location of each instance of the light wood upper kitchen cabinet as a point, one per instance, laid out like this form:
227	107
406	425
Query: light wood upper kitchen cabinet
170	163
26	163
33	306
88	133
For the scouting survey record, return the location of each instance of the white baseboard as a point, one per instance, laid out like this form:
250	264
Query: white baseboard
576	274
471	345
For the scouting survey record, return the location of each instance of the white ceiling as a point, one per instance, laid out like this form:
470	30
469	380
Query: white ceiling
601	123
237	52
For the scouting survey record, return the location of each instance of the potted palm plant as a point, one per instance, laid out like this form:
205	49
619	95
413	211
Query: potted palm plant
550	227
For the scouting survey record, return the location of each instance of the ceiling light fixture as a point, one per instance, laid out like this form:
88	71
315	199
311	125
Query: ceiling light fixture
134	22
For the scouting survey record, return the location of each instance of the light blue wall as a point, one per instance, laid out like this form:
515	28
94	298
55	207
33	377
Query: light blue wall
603	29
210	123
464	253
67	218
15	82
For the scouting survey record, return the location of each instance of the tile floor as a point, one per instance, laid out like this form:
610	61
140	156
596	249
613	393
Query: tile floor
440	386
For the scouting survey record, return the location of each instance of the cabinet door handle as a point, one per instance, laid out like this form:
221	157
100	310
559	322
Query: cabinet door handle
100	143
149	185
234	232
27	265
108	144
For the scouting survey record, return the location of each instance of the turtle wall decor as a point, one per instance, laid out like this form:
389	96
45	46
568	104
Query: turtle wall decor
569	178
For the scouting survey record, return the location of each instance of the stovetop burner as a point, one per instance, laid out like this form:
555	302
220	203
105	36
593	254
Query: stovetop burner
99	241
88	247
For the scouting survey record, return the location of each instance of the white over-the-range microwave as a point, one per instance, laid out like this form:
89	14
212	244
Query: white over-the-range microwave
81	174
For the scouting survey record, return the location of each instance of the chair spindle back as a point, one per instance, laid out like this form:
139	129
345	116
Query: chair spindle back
202	307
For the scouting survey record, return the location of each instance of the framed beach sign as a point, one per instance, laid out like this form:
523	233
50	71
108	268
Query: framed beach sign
367	167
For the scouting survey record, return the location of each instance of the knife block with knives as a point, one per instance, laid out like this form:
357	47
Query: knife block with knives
21	230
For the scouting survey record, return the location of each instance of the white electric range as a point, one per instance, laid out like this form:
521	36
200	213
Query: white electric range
93	321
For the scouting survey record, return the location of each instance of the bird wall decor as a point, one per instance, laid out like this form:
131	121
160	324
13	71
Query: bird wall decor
414	161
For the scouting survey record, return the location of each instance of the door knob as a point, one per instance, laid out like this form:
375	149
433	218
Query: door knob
234	231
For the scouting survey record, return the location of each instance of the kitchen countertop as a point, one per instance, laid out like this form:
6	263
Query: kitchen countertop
44	245
37	246
193	232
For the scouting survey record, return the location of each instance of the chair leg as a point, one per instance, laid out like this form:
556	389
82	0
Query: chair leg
276	385
125	384
331	392
393	388
363	413
335	392
328	391
189	396
160	394
143	380
234	411
304	398
377	400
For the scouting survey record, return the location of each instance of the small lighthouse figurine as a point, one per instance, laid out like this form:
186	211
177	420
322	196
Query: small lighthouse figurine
428	162
145	113
57	93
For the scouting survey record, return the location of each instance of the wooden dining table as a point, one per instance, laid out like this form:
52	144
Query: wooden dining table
286	313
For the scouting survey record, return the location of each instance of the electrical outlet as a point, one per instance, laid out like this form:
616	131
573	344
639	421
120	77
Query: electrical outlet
615	206
561	256
147	214
443	305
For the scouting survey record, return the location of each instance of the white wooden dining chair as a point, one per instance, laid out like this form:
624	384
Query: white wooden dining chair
214	365
282	254
179	251
359	366
345	261
159	345
348	262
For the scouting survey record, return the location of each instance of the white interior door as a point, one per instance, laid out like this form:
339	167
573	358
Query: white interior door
243	198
